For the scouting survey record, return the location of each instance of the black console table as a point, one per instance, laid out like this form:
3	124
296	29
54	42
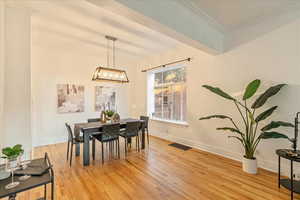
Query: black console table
42	174
290	184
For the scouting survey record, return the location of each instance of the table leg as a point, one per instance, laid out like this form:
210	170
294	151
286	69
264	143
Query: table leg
45	191
86	149
292	181
279	171
52	190
143	138
77	149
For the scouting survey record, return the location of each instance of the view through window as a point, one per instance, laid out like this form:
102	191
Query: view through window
167	94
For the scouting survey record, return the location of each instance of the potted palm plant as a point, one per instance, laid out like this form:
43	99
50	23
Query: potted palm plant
249	134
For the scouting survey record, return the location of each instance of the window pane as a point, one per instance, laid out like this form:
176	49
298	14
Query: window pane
158	79
167	102
174	75
157	102
177	101
169	92
183	104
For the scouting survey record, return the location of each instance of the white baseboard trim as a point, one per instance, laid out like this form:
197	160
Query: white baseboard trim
264	164
48	141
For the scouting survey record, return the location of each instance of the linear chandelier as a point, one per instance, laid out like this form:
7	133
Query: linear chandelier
110	74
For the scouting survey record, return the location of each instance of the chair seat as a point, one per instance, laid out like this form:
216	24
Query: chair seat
127	135
105	138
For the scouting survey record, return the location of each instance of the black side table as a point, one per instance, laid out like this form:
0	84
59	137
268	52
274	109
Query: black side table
42	174
290	184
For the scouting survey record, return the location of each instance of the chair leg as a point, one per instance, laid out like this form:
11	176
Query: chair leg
118	148
138	139
93	148
125	146
147	136
116	144
102	149
68	150
71	156
136	142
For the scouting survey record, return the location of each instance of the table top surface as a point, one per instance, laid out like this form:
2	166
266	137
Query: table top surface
32	182
283	153
100	124
95	125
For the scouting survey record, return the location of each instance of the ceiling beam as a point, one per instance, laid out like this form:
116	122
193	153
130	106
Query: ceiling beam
169	18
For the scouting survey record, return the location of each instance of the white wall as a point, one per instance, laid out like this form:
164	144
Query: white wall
2	64
67	62
273	58
17	90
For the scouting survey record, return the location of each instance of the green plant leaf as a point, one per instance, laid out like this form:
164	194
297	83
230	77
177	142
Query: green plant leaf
237	139
219	92
7	151
273	134
251	89
276	124
261	100
265	114
234	130
215	116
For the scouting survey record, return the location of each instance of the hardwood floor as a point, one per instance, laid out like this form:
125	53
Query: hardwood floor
159	172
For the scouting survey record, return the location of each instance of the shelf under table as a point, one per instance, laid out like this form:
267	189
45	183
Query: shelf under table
287	184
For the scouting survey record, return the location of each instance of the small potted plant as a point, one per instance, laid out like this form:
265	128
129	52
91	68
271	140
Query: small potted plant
12	154
109	114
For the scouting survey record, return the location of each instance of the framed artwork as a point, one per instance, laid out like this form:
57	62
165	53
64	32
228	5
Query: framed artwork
70	98
105	98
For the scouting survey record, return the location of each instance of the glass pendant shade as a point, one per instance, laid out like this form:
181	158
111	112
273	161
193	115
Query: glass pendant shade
110	75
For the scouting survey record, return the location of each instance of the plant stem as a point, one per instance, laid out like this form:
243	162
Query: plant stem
240	113
247	127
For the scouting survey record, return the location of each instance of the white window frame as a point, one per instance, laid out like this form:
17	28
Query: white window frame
151	97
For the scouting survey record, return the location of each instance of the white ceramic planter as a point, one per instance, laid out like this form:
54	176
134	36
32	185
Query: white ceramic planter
250	165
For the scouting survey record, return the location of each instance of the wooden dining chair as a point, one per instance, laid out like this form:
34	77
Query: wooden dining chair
110	134
75	140
145	125
132	130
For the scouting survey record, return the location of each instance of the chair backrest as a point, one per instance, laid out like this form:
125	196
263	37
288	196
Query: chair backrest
132	128
94	120
146	120
111	129
70	133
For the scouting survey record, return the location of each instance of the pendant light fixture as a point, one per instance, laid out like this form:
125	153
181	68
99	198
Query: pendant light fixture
110	74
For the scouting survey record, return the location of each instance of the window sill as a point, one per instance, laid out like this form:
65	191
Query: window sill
181	123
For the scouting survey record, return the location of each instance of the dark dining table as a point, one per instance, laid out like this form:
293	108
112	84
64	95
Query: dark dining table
90	128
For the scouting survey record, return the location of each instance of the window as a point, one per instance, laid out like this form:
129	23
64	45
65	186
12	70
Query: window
167	94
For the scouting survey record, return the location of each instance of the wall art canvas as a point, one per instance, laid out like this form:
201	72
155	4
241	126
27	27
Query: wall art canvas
70	98
105	98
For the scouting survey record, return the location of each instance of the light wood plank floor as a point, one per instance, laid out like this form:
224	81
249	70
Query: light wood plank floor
159	172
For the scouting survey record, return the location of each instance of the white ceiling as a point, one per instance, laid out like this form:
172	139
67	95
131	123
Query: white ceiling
71	21
66	23
230	15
